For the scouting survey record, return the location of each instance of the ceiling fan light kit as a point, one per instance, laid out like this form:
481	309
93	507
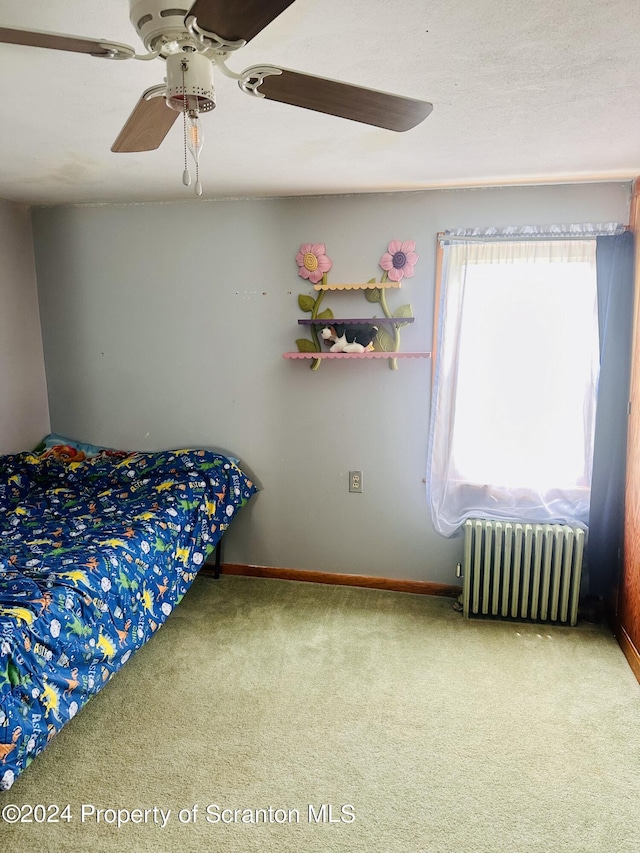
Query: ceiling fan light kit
190	79
193	42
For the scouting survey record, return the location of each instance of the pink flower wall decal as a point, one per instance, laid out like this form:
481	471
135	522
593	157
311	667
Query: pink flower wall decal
400	260
313	262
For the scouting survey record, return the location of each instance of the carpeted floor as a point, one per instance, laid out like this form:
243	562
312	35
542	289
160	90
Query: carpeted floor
423	732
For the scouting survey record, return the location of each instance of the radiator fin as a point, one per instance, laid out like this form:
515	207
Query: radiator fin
514	570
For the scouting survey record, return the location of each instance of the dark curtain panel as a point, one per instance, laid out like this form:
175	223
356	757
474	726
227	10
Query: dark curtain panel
614	261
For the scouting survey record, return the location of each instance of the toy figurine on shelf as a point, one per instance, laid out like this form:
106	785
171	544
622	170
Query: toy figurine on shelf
349	338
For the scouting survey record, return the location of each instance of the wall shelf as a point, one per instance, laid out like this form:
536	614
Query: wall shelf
375	337
367	286
366	321
369	354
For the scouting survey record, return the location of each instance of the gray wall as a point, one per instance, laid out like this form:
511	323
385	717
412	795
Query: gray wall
165	325
24	412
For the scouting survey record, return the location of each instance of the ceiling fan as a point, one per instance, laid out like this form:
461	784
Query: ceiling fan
195	41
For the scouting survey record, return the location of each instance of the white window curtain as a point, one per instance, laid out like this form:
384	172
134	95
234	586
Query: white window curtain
515	383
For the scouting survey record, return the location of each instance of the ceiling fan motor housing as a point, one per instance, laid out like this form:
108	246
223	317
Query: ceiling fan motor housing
158	21
190	77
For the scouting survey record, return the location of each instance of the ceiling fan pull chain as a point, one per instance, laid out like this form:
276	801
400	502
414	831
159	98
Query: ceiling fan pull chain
195	140
186	177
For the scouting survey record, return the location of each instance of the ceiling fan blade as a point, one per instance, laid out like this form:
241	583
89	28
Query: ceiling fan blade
59	41
380	109
147	125
236	19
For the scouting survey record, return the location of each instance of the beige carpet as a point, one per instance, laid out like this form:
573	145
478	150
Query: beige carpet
438	735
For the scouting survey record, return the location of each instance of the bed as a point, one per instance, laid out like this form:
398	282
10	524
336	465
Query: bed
97	547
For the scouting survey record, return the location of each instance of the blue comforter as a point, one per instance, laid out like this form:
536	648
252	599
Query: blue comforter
94	555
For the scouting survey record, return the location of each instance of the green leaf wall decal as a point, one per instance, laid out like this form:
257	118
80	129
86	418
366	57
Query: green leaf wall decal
305	345
327	314
403	311
385	341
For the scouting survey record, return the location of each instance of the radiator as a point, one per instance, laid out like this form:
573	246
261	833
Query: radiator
514	570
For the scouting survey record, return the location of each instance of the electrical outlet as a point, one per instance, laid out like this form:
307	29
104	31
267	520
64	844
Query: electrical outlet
355	481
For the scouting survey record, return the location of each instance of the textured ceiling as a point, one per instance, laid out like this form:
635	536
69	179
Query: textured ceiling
522	93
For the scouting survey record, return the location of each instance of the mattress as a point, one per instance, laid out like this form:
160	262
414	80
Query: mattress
95	553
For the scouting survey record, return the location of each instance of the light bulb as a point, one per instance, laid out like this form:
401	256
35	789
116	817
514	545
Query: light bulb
195	138
195	135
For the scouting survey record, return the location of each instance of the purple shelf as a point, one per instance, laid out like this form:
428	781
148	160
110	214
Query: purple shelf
361	322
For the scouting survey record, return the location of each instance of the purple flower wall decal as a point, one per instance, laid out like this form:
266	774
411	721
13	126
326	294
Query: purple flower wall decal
400	259
313	262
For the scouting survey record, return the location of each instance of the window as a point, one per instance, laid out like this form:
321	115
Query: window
515	382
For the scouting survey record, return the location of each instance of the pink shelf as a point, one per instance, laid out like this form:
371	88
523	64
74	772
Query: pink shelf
373	354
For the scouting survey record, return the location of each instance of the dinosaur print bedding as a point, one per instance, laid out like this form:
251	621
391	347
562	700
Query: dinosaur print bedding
95	553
